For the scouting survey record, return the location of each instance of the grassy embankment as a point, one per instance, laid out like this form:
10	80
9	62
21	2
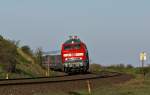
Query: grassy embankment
18	62
26	68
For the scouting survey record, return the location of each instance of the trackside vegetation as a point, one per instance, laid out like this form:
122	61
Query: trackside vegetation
18	62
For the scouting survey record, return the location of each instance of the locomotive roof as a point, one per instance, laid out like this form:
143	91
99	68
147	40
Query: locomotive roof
73	40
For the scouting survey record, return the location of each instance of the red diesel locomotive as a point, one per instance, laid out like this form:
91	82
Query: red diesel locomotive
74	55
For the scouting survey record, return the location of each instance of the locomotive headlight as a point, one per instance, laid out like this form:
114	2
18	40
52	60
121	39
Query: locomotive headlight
73	54
79	54
66	59
67	55
80	58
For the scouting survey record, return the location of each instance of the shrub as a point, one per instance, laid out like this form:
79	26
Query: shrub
38	56
95	67
26	49
129	66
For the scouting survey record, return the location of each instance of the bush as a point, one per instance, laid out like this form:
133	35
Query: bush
129	66
26	49
95	67
38	56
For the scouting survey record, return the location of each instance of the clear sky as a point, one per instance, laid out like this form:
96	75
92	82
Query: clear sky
115	31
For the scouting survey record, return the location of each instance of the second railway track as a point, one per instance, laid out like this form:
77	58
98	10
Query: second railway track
63	78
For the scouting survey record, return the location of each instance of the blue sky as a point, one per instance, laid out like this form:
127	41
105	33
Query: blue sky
115	31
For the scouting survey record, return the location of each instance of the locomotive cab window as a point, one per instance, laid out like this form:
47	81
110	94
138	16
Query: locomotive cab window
71	47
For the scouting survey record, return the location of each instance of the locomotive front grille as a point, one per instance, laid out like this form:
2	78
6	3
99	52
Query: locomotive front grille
73	64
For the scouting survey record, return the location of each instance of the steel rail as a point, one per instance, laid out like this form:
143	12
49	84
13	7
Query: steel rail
42	80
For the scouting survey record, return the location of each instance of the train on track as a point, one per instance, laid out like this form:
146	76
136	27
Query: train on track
74	57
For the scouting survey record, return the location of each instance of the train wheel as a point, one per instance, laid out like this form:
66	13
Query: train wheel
85	70
65	70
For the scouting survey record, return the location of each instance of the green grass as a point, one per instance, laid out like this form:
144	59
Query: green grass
134	87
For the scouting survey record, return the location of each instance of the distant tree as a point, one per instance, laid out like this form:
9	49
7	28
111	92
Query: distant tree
38	55
129	66
120	66
1	37
26	49
95	67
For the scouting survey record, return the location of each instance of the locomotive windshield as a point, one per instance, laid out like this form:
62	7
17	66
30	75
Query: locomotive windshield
72	47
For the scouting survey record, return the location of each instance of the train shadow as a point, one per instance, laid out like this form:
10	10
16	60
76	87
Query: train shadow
78	73
74	93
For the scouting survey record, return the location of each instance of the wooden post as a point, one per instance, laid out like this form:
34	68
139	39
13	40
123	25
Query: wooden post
48	69
89	87
7	76
143	68
46	74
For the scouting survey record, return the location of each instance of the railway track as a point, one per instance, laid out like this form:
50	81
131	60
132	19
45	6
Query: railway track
64	78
